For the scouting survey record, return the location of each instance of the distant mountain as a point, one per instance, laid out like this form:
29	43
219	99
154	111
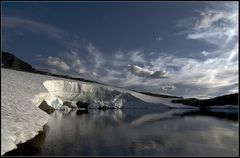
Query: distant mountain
11	61
159	95
230	99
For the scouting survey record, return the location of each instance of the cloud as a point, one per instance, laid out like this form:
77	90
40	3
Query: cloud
215	26
96	55
32	25
76	63
212	76
73	60
121	58
142	72
168	87
232	55
159	38
56	62
216	74
119	55
207	19
186	23
137	56
205	53
77	66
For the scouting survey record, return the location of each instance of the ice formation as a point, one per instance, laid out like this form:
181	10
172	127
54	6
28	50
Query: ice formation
55	102
97	96
100	95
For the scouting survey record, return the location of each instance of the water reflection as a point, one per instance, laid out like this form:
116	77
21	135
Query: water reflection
231	115
81	112
137	132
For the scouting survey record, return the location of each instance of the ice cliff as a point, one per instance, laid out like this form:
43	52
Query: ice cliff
99	95
61	91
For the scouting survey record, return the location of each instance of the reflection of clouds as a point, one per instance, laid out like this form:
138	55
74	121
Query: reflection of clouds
191	136
158	116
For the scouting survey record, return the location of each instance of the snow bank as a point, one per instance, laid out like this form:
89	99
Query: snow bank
21	119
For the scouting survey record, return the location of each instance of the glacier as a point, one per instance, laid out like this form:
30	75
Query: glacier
23	92
98	96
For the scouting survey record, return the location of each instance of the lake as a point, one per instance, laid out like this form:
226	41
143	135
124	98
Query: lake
136	132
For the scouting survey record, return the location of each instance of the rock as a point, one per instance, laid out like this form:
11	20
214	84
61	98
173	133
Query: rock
68	104
45	107
104	108
12	62
82	105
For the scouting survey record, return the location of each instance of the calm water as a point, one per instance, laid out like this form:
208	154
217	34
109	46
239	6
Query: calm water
132	132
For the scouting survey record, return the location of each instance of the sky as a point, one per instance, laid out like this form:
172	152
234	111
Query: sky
187	49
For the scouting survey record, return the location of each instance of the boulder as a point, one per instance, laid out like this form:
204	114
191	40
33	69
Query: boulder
104	108
82	105
45	107
68	104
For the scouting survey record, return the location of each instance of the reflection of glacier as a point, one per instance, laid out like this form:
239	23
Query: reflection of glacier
115	115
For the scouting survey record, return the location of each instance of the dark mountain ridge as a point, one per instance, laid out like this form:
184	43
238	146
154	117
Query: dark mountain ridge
10	61
229	99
